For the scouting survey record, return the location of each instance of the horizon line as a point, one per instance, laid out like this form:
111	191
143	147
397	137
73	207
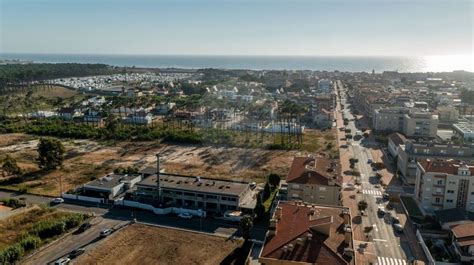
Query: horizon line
234	55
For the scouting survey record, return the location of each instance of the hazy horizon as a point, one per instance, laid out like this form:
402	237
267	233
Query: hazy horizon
395	28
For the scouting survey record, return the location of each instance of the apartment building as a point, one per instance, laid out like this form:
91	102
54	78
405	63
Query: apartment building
444	184
314	180
410	151
405	120
301	233
420	124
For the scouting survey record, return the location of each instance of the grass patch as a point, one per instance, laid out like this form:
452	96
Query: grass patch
24	232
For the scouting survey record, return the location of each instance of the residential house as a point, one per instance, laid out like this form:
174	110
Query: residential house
301	233
314	180
463	242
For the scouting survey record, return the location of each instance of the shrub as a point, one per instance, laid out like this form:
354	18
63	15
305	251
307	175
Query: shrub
30	242
13	203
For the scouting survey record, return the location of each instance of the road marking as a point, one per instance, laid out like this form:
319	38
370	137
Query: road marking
390	261
378	239
372	192
375	227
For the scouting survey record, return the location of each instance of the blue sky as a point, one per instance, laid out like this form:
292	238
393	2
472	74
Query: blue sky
233	27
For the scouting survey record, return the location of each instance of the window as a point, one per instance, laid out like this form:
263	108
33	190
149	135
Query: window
178	193
322	197
440	182
295	186
461	152
437	200
322	188
449	200
450	191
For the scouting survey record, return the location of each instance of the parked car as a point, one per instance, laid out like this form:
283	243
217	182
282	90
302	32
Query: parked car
398	228
76	253
381	212
105	232
62	261
395	220
84	227
185	216
385	196
57	200
370	161
349	186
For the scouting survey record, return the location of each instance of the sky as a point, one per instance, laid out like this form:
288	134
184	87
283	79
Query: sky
238	27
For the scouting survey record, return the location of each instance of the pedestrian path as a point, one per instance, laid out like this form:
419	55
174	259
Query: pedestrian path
372	192
390	261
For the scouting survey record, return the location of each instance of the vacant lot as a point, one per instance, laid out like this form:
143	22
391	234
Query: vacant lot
14	228
86	159
140	244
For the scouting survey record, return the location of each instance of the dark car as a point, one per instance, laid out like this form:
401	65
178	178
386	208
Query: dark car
84	227
76	253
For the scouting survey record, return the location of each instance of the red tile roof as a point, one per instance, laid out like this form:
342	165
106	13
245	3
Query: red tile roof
308	170
447	166
464	234
296	222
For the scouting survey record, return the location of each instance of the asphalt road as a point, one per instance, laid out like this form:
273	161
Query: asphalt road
387	243
75	240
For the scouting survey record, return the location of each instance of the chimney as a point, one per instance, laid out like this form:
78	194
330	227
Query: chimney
347	234
158	169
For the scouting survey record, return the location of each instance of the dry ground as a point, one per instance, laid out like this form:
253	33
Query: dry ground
141	244
86	159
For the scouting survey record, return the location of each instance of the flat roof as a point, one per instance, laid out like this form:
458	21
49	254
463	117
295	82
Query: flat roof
110	181
196	184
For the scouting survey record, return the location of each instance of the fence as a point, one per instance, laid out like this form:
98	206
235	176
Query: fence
82	198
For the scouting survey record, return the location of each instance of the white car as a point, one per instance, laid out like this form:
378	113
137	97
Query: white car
105	232
58	200
185	216
62	261
349	186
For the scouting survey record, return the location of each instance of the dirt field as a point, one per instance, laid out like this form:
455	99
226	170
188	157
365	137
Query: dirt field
141	244
86	159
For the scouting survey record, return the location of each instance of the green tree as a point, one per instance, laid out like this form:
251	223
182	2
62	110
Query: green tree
10	166
274	179
267	190
245	225
50	153
259	208
362	205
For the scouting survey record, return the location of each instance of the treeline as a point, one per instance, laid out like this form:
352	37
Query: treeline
40	233
22	74
167	133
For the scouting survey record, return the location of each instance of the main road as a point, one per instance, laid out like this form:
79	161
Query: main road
388	245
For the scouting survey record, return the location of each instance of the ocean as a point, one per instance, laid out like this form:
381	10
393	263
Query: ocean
322	63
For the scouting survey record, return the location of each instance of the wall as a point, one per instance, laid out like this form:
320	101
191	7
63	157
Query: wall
159	210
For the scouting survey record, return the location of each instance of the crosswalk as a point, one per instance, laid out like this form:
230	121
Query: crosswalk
372	192
390	261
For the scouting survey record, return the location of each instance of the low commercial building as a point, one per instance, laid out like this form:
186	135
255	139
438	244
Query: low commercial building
302	233
314	180
212	195
395	140
444	185
463	242
412	151
108	187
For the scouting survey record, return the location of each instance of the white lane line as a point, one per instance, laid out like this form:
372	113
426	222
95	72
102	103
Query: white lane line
375	227
380	240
